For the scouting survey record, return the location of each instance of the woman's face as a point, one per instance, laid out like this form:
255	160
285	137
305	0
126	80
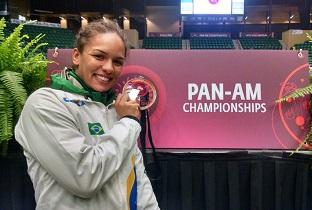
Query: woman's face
101	61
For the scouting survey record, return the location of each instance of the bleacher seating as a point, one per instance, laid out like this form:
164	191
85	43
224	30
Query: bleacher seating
307	45
55	37
260	43
162	43
211	43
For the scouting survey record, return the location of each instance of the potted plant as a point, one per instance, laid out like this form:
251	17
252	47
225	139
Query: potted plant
22	70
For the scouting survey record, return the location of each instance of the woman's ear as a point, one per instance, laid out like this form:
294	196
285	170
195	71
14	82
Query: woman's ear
76	57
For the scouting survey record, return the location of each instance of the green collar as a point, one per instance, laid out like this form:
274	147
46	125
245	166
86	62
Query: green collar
59	83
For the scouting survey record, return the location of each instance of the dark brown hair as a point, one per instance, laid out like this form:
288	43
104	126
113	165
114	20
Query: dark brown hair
98	27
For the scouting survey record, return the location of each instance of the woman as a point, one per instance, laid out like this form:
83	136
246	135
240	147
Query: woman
79	140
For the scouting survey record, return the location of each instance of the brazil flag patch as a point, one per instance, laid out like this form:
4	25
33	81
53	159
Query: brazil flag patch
95	129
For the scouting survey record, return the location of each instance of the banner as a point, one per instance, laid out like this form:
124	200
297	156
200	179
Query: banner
221	99
212	7
208	34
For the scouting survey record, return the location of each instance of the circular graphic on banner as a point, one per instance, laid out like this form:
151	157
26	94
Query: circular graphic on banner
294	118
145	90
150	85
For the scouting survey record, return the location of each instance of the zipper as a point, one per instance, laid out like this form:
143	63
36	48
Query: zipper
122	194
108	113
109	105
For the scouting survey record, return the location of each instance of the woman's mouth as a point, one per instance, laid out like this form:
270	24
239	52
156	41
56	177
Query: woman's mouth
102	78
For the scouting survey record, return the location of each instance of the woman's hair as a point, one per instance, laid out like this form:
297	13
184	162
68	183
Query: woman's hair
99	26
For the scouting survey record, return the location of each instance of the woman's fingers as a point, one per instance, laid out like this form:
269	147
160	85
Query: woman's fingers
125	107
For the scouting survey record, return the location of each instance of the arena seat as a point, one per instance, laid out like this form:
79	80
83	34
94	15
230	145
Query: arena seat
162	43
211	43
55	37
261	43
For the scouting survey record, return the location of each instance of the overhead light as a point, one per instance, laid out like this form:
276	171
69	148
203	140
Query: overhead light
43	11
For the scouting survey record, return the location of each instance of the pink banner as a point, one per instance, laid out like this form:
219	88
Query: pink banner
220	98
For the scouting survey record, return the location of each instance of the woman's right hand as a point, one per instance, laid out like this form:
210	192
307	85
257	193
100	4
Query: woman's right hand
125	107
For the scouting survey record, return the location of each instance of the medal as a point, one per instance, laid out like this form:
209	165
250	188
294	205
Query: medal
141	90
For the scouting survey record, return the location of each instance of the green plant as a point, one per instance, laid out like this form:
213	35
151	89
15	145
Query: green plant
22	70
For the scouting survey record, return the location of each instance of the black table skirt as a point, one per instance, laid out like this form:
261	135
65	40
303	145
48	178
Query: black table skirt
192	181
234	181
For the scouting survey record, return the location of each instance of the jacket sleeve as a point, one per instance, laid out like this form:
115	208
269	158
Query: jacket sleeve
47	130
147	199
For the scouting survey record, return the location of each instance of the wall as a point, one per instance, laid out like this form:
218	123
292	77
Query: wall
162	19
292	37
17	7
63	23
132	37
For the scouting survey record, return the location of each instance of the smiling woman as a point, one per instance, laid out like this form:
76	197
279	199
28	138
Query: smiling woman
87	156
101	61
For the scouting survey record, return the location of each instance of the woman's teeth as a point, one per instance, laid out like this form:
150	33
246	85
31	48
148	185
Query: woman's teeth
103	78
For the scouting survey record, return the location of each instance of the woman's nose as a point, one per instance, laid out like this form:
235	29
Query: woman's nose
108	66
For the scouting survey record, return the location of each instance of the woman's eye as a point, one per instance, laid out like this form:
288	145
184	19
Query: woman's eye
98	57
118	63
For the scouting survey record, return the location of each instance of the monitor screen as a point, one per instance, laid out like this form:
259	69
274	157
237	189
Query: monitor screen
212	7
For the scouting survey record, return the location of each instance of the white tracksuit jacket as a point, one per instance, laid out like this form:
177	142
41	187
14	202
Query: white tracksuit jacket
80	156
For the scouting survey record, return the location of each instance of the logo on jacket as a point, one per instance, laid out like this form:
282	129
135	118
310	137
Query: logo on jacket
95	129
77	102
